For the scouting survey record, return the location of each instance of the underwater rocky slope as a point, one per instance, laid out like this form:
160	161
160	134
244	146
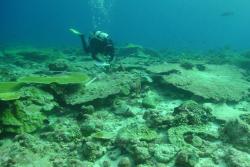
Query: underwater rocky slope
149	109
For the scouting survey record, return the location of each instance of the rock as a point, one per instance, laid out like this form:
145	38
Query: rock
187	65
129	50
178	135
200	67
186	158
140	154
34	55
192	113
244	64
237	133
92	151
39	97
135	132
106	164
62	130
114	154
85	112
166	68
164	153
88	109
137	57
144	165
150	101
245	118
58	65
158	119
235	158
7	74
88	164
26	140
123	109
27	150
90	126
125	162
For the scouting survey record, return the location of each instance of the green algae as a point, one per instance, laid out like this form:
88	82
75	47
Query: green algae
8	119
9	90
9	96
22	119
26	115
6	87
72	78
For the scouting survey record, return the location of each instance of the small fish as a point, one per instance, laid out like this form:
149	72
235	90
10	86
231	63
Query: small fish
229	13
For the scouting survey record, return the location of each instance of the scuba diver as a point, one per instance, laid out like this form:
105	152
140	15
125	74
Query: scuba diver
98	43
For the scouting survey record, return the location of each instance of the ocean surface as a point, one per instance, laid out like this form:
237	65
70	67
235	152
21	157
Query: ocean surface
182	24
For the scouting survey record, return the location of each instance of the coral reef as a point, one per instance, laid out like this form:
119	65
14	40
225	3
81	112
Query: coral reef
148	109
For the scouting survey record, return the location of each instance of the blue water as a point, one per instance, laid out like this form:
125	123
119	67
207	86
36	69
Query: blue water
181	24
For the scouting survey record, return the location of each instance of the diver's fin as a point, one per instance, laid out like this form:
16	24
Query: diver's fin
74	31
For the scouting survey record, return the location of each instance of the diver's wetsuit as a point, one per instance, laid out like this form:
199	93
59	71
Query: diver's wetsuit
98	45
